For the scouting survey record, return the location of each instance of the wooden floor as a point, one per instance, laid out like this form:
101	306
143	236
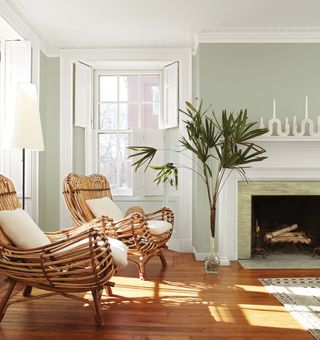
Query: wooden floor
180	302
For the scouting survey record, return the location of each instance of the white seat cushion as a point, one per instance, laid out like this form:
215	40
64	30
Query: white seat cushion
20	228
158	227
119	252
105	207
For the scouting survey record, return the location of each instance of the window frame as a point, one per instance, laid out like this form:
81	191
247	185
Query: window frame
96	102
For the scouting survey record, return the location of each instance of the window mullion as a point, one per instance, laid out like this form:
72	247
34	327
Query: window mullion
118	135
139	103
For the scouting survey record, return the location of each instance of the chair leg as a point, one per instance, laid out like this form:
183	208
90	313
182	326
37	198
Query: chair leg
5	299
100	292
97	305
142	272
162	258
108	288
27	291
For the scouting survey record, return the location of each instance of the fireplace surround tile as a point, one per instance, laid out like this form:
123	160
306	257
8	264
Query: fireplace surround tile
265	188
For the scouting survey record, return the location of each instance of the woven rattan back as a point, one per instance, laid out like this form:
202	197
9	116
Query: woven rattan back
77	189
8	201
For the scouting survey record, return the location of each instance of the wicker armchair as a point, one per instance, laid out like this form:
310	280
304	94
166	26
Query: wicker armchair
78	260
133	229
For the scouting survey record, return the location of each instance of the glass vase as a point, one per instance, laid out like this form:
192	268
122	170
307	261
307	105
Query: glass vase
212	261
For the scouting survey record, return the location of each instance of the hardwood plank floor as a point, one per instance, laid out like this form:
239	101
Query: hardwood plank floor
179	302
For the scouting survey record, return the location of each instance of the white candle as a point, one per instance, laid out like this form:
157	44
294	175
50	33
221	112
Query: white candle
274	108
306	108
262	123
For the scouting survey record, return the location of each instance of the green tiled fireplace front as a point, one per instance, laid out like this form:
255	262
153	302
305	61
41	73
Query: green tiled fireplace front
264	188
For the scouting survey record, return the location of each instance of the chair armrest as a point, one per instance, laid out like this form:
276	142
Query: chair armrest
133	230
133	209
165	214
134	223
82	259
100	222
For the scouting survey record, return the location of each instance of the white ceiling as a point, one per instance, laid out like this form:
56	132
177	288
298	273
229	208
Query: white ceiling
103	23
7	32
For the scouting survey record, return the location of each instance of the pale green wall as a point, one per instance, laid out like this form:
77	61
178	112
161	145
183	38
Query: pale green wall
49	183
235	76
230	76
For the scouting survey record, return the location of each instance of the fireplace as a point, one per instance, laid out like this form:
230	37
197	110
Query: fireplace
277	205
285	224
291	169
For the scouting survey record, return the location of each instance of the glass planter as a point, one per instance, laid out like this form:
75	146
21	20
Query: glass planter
212	261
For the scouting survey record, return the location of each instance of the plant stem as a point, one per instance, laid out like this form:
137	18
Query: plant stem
207	184
182	153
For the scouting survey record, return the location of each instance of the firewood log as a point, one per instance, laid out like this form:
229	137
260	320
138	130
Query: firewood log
280	231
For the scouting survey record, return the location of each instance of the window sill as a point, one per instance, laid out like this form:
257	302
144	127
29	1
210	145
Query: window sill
138	198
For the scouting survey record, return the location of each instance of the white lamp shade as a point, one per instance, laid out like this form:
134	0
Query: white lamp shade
25	131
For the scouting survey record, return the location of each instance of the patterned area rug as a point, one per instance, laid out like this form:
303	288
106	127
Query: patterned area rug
301	297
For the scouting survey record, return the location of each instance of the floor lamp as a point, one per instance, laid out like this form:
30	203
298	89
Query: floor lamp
25	131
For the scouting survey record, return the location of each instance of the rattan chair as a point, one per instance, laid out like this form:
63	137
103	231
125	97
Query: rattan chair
133	229
77	261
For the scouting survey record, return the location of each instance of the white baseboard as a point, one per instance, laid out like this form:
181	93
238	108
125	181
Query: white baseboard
186	246
174	244
199	256
183	246
224	261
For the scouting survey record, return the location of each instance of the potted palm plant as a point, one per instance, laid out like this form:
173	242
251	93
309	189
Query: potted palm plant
219	146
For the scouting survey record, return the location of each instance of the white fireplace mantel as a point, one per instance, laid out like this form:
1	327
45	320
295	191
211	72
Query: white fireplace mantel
289	159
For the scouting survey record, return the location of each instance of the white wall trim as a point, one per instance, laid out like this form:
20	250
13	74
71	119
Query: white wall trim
199	256
224	261
12	11
27	33
257	35
35	76
67	58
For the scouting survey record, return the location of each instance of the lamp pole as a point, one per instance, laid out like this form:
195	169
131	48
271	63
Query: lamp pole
23	177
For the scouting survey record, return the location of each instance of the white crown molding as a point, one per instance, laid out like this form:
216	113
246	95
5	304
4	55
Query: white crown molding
13	12
128	46
257	35
16	18
49	51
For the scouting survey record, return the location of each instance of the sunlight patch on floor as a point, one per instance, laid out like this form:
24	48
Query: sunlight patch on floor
247	288
221	314
132	287
256	316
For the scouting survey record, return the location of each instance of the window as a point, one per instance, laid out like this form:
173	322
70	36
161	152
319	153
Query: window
125	102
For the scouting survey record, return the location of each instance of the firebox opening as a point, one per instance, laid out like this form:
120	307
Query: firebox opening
285	224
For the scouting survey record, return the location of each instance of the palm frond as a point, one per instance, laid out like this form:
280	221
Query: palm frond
166	173
145	155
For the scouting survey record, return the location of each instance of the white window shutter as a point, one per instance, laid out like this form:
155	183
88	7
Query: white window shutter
17	69
83	112
143	182
138	187
154	138
83	95
170	115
